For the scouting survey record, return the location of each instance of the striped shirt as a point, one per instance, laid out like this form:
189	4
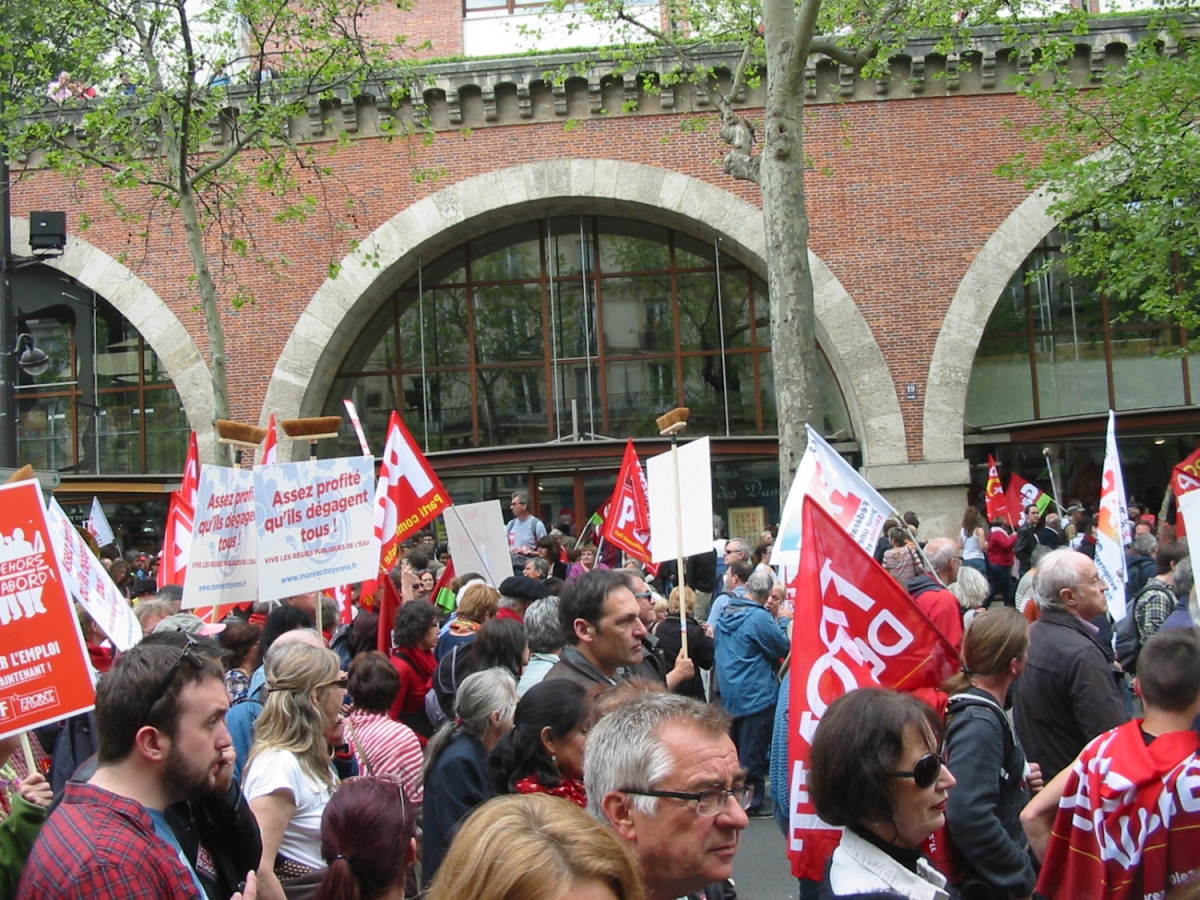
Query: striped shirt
386	747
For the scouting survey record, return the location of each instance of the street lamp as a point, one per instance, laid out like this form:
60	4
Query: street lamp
33	361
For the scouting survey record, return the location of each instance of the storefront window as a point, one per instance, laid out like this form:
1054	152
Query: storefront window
578	324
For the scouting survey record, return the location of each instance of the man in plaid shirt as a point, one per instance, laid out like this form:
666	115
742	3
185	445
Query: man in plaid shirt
160	718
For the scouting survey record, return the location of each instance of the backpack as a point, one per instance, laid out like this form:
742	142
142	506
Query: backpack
939	847
1128	638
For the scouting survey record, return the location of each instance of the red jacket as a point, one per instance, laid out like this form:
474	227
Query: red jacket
1000	547
416	668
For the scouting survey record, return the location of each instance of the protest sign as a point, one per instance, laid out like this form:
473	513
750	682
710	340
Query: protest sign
859	628
477	539
694	529
44	670
223	560
840	490
89	583
314	524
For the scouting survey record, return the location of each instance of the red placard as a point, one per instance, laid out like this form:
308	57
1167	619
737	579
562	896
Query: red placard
44	672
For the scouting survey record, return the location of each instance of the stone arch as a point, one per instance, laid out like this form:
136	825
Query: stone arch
146	311
976	297
342	306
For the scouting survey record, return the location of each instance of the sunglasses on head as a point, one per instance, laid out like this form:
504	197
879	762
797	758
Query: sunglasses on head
925	771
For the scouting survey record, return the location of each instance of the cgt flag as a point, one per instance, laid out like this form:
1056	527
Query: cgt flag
860	629
1022	493
190	489
177	542
997	503
1185	478
407	496
629	525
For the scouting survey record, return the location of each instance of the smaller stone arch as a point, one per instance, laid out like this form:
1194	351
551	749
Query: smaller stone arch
342	306
146	311
958	340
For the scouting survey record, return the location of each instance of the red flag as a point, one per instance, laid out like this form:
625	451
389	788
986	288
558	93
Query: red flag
997	503
1020	494
859	629
442	594
343	596
389	606
408	496
628	526
177	541
190	489
269	449
1185	478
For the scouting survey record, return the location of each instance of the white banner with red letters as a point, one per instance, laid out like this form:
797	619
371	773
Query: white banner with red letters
89	583
842	492
1112	526
223	561
856	627
314	525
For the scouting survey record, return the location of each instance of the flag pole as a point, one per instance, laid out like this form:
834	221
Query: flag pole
672	424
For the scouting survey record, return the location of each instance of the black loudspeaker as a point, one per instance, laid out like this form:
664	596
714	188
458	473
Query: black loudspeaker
47	230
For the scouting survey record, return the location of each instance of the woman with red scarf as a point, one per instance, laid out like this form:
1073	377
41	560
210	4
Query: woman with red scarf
415	636
543	754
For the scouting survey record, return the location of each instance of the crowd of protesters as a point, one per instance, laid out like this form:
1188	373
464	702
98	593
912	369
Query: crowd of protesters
549	736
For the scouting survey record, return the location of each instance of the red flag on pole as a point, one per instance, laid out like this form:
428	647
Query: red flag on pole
1185	478
177	542
1020	494
408	496
389	602
997	503
190	489
269	443
628	525
856	627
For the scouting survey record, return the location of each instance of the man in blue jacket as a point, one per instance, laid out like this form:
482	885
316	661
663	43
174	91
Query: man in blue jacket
750	646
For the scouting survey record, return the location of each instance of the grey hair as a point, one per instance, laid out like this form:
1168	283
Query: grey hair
522	497
538	563
542	628
1194	607
739	545
1059	571
1040	552
971	588
759	584
940	551
626	750
1145	545
480	694
1184	577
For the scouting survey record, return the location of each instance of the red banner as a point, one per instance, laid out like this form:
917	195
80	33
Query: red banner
44	671
177	541
1185	478
407	497
190	489
997	503
628	525
860	629
1020	494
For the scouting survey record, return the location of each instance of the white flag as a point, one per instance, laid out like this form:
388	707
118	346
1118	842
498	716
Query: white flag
1112	525
97	525
841	492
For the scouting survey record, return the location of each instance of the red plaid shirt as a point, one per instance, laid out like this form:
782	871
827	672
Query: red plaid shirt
102	846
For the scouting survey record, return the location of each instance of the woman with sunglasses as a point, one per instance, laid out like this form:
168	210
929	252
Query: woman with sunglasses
288	779
876	771
984	812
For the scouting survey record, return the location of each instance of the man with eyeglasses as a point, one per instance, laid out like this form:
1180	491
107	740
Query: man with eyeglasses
1069	691
160	717
930	592
662	772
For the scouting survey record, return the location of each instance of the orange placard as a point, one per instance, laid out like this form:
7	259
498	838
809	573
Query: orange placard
44	671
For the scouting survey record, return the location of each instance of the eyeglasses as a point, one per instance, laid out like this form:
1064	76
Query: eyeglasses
708	803
187	653
338	683
925	771
644	595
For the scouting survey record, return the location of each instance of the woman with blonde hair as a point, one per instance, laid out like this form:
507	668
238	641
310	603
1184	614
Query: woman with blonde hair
288	778
700	643
478	603
983	812
534	846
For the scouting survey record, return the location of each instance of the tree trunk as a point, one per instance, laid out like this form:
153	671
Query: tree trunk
212	312
785	220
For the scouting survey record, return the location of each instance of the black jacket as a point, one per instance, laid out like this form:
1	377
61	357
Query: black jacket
983	811
1067	695
700	649
456	785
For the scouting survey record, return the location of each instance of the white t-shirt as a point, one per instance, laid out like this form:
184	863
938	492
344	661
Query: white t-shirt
279	770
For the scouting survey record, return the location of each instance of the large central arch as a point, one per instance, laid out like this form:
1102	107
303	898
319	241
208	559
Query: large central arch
342	306
146	311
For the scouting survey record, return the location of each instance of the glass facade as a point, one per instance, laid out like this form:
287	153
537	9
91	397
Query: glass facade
566	327
105	404
1056	347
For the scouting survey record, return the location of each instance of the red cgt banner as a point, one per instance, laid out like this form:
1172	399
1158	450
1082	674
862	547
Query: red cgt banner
44	672
628	526
855	627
